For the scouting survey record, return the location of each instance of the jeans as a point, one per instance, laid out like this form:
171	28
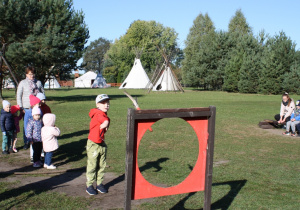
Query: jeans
277	118
48	158
37	150
7	140
27	116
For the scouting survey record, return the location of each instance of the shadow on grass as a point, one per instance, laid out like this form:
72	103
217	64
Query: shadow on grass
148	165
33	189
224	202
70	135
85	97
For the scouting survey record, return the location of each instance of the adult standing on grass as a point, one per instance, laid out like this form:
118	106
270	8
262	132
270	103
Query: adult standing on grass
286	109
28	86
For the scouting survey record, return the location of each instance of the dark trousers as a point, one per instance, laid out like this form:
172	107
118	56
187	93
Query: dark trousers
298	128
277	118
37	151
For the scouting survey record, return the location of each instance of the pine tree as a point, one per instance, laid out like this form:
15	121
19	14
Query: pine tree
277	59
198	52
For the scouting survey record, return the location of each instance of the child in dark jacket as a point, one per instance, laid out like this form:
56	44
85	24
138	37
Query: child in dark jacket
7	127
14	111
33	134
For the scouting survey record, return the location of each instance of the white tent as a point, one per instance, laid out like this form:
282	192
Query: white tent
52	82
167	82
86	80
137	77
8	83
99	82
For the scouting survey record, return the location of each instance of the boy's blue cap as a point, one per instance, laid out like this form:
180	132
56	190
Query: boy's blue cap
102	97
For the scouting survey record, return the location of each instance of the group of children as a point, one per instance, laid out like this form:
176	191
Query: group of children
40	130
293	122
42	134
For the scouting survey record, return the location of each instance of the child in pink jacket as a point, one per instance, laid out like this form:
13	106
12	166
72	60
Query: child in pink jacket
49	139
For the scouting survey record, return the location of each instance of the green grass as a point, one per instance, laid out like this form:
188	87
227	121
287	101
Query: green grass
259	170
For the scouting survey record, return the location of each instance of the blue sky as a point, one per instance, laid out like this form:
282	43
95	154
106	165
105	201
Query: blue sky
111	18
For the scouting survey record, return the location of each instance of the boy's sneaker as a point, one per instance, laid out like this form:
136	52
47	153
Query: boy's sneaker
15	150
5	152
286	133
91	191
37	165
51	167
101	188
45	165
293	134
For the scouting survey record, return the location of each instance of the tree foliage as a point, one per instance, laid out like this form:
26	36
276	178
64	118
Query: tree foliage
93	57
142	39
45	34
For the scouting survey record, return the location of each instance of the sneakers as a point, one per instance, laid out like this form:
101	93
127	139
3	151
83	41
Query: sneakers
26	146
101	188
91	191
37	164
5	152
49	167
293	134
286	133
15	150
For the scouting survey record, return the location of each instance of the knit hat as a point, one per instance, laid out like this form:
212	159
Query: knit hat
14	109
34	100
41	96
36	110
5	103
102	97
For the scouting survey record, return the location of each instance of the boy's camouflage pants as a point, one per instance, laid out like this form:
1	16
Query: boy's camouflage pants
96	162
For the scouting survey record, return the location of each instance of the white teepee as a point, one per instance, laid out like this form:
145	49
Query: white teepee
167	82
137	77
99	82
86	80
51	83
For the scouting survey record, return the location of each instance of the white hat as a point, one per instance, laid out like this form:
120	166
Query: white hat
5	103
36	110
41	96
101	98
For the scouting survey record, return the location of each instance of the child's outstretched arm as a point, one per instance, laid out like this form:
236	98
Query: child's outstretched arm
56	131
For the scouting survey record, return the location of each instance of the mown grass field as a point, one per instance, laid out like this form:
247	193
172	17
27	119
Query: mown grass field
253	168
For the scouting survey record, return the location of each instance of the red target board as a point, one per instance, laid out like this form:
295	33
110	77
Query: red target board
202	120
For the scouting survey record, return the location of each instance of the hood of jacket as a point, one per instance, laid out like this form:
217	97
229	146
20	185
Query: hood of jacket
49	119
95	111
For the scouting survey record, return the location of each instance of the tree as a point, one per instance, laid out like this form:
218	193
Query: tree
291	82
198	52
278	56
93	57
237	29
49	35
142	39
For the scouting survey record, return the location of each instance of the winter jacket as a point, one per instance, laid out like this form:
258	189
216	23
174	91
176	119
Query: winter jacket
17	120
296	115
287	110
45	109
23	93
33	130
97	118
49	133
7	121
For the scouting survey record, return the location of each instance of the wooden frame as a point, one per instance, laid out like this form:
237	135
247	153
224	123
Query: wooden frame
136	116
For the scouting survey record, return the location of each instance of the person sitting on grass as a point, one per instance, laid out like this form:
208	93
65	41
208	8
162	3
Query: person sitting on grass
7	127
286	109
295	119
96	147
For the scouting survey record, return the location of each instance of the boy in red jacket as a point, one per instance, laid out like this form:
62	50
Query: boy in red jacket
96	147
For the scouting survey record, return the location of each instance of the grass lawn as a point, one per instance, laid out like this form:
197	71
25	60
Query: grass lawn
253	168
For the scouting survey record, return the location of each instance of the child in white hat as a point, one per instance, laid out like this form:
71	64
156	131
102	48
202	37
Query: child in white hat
7	127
